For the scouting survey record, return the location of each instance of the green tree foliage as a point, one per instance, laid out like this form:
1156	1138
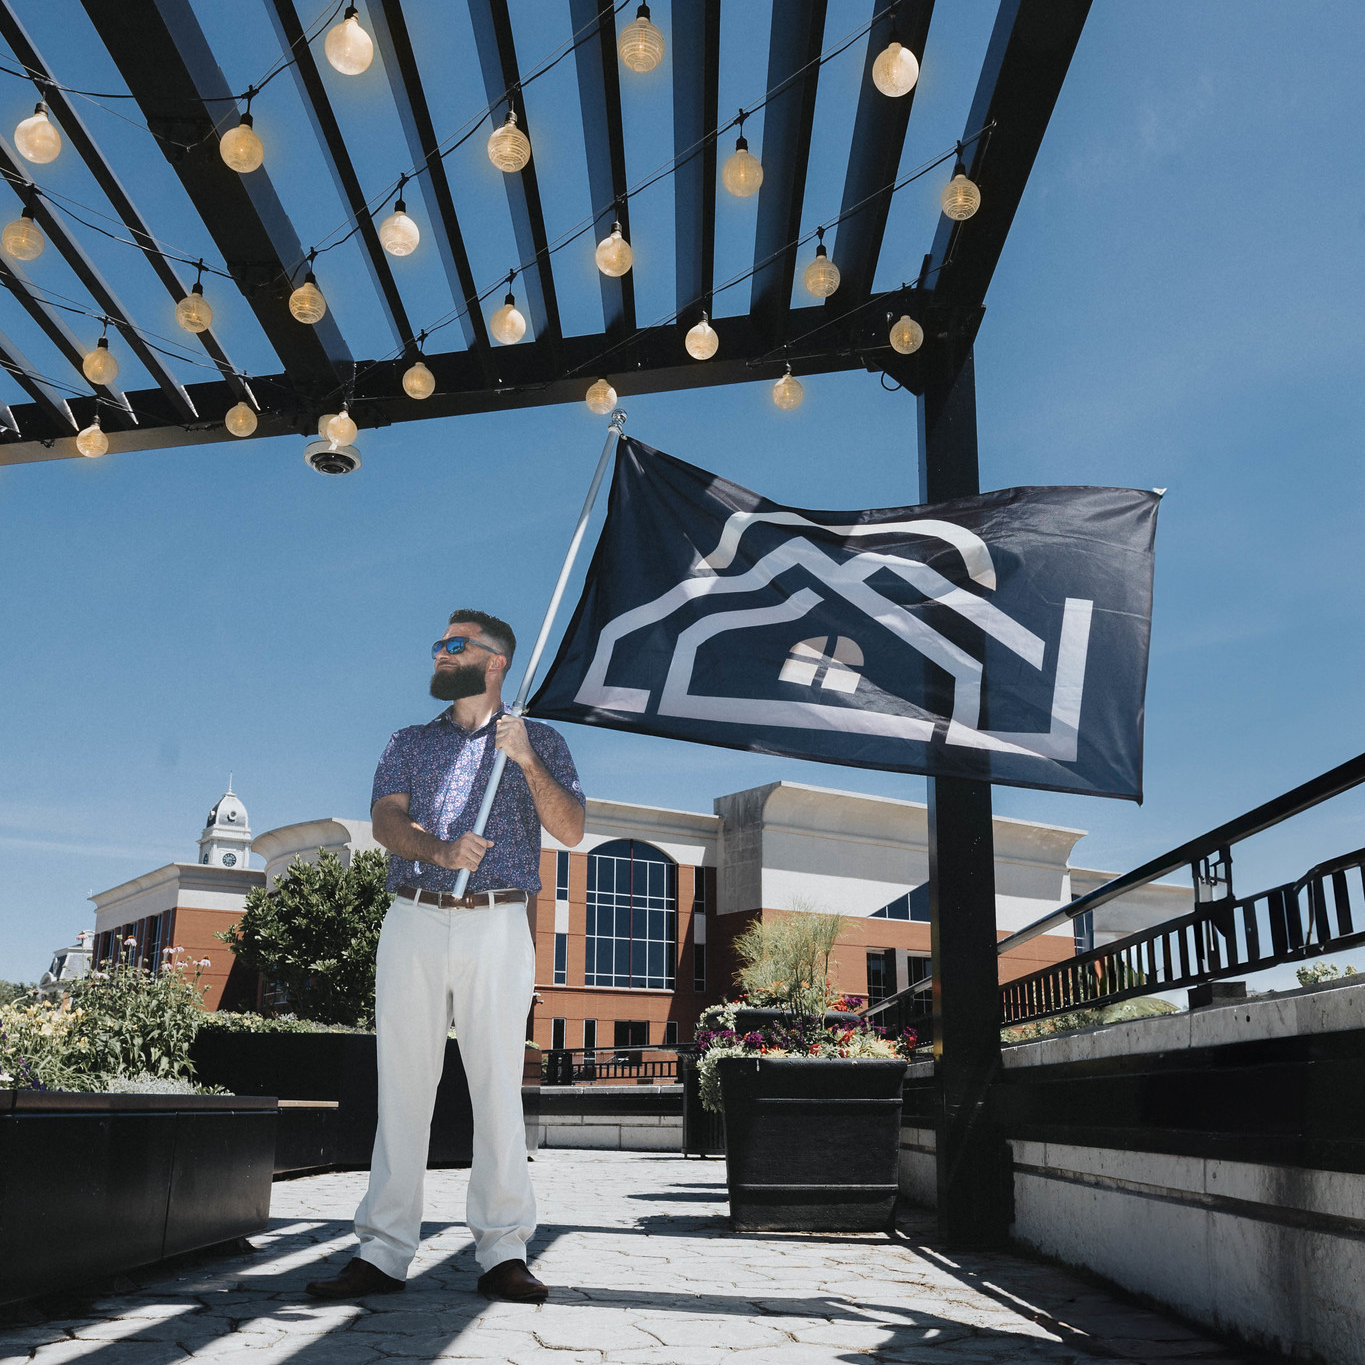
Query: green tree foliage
314	935
1316	972
10	991
787	960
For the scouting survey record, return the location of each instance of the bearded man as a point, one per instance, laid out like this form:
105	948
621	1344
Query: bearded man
466	961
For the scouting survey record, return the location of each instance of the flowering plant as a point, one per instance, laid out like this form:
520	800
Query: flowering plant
802	1037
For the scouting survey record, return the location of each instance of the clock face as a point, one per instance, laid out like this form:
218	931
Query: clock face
229	860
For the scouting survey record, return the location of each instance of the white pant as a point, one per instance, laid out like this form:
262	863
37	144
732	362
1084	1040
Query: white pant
475	969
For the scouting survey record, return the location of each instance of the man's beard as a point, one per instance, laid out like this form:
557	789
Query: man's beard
464	680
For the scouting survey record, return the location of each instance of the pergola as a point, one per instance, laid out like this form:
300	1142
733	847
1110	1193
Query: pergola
170	69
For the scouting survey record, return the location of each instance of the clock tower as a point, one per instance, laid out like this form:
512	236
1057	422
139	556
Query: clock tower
226	840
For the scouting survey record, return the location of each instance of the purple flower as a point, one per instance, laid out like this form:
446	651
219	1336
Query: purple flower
753	1040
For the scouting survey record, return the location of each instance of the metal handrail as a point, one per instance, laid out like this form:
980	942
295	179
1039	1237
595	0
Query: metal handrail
570	1065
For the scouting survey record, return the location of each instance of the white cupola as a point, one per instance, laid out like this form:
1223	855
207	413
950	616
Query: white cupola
226	840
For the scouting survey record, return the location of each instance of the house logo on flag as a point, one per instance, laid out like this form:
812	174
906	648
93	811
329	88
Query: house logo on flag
1002	637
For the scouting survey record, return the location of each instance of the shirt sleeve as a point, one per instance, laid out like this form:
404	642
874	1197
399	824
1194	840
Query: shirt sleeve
554	754
394	773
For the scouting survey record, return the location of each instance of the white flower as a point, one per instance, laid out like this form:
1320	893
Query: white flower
130	942
204	962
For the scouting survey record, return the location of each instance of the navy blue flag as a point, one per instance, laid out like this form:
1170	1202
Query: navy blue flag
1001	637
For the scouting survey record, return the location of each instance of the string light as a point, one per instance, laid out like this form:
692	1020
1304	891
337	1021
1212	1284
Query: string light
907	336
193	312
398	234
349	48
960	198
23	238
822	275
702	340
36	138
600	398
896	70
92	442
306	302
507	324
418	381
240	148
100	366
614	256
641	45
787	392
341	430
742	174
240	419
509	149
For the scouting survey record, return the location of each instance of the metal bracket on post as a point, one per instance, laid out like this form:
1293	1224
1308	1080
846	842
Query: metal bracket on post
614	431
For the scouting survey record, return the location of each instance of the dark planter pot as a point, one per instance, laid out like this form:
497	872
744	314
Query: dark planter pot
750	1021
811	1143
96	1185
337	1073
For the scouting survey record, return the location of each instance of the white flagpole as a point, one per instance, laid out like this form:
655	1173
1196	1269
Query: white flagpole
614	430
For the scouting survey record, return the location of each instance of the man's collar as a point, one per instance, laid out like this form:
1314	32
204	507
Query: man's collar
448	716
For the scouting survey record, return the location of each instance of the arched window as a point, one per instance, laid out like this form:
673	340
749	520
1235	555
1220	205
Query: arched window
632	916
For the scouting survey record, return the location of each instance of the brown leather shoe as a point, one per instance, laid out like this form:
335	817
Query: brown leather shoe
358	1279
512	1281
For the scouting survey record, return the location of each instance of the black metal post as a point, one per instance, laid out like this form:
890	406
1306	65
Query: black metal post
973	1170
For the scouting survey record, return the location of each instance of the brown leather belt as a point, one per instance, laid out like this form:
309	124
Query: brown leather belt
474	901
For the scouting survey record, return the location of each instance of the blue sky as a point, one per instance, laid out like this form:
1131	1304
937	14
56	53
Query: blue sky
1178	306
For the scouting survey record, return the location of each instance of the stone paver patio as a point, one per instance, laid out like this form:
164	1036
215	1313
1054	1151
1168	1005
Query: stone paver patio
643	1269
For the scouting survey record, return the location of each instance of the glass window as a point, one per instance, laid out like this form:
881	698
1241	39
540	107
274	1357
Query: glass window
699	966
632	916
881	974
561	959
671	1033
561	876
1083	927
589	1034
557	1033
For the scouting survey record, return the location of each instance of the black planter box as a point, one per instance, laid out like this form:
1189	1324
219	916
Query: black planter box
95	1185
811	1143
337	1067
752	1020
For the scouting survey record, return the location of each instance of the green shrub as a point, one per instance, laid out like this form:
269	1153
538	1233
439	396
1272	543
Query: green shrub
787	959
1315	972
226	1022
315	933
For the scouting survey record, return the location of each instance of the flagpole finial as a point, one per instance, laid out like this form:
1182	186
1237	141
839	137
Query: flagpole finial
618	421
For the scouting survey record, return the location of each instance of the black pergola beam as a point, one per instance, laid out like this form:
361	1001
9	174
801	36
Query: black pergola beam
313	92
99	289
798	29
874	156
696	92
409	98
80	138
1027	58
529	375
48	403
498	62
167	64
54	326
599	94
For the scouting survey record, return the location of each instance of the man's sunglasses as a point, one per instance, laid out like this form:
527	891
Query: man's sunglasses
456	645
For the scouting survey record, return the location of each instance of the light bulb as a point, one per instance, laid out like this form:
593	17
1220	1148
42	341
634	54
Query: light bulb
306	302
641	45
702	340
742	174
509	149
341	430
349	48
193	312
240	419
907	336
614	255
822	275
99	365
960	198
507	325
23	238
324	422
92	442
398	234
787	392
600	397
37	138
241	148
418	381
895	71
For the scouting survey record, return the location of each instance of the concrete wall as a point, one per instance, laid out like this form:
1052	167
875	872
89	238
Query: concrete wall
612	1117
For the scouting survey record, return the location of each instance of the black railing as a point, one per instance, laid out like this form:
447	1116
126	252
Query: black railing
583	1066
1319	913
1324	911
